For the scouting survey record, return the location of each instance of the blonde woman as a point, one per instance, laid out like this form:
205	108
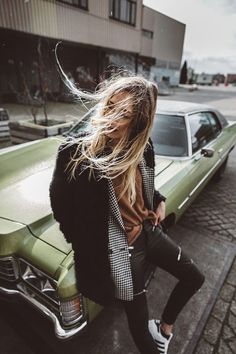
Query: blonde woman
102	194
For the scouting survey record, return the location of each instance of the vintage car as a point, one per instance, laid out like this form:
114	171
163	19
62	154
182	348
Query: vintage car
192	143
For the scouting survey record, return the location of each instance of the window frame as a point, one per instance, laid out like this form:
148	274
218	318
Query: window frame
218	123
133	5
74	5
147	33
193	153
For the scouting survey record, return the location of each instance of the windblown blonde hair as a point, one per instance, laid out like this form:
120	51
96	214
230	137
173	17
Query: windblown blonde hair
124	157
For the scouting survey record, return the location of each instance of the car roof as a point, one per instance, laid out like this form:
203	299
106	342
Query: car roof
181	107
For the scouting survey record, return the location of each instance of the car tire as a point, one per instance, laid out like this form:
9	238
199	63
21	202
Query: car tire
220	172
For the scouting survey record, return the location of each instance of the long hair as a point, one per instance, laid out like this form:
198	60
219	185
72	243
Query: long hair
124	156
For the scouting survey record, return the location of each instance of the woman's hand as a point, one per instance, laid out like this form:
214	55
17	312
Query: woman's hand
160	212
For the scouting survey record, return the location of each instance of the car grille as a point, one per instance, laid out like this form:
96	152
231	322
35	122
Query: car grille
38	280
8	269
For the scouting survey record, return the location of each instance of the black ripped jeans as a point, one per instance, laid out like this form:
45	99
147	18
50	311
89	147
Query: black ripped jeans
157	248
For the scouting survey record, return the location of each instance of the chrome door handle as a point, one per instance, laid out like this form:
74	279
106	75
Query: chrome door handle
197	157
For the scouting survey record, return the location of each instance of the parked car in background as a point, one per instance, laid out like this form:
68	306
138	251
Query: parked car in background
164	89
192	143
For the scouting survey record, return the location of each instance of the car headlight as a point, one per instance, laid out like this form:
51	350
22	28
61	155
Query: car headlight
39	280
72	310
9	268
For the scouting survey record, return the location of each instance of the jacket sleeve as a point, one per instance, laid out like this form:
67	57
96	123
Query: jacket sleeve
157	197
61	192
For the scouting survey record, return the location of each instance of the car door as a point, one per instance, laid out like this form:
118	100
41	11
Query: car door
203	136
170	141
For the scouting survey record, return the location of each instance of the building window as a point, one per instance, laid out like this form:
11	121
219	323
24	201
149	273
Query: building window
174	65
147	33
161	64
82	4
123	10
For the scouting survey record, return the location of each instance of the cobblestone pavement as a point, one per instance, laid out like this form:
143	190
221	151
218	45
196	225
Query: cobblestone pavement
215	210
219	335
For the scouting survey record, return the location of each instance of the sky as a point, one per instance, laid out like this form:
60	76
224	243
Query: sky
210	36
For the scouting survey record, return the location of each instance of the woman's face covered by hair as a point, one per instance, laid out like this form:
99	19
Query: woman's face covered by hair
122	120
122	125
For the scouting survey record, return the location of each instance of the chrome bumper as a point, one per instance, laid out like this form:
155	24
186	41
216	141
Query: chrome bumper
60	332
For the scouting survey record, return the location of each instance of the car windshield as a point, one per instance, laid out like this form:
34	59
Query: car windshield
168	134
82	125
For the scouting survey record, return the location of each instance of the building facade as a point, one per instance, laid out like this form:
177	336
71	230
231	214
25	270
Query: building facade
231	79
165	44
204	79
97	38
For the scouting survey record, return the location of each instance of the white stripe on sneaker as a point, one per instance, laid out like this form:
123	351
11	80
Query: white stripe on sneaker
161	342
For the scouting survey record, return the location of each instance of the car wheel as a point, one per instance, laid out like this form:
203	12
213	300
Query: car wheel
219	173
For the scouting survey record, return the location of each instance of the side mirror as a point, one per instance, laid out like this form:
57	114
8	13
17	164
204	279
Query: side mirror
207	152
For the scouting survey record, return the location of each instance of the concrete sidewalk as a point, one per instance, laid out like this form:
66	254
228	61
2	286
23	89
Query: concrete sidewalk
55	110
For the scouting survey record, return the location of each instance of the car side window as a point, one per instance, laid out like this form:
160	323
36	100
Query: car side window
223	121
201	130
216	126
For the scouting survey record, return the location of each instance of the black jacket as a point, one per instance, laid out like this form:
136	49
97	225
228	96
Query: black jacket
81	208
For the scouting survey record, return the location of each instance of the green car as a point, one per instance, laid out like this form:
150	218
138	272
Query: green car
192	143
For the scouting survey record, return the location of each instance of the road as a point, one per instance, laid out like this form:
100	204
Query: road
207	232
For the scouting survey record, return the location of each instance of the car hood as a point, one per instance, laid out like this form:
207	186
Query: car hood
161	164
25	175
16	239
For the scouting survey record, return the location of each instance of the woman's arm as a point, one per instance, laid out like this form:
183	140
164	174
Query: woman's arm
61	192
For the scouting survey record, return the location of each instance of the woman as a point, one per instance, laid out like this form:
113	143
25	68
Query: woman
102	194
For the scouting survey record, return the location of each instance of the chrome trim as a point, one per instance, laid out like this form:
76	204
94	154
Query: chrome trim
15	268
76	320
16	147
20	259
72	311
188	131
184	202
60	332
39	273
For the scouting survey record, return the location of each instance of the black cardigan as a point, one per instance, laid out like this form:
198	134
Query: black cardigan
81	208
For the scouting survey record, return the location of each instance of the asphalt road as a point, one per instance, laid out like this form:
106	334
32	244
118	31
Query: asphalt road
204	94
210	247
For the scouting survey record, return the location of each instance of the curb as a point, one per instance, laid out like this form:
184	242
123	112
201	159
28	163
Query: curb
209	306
